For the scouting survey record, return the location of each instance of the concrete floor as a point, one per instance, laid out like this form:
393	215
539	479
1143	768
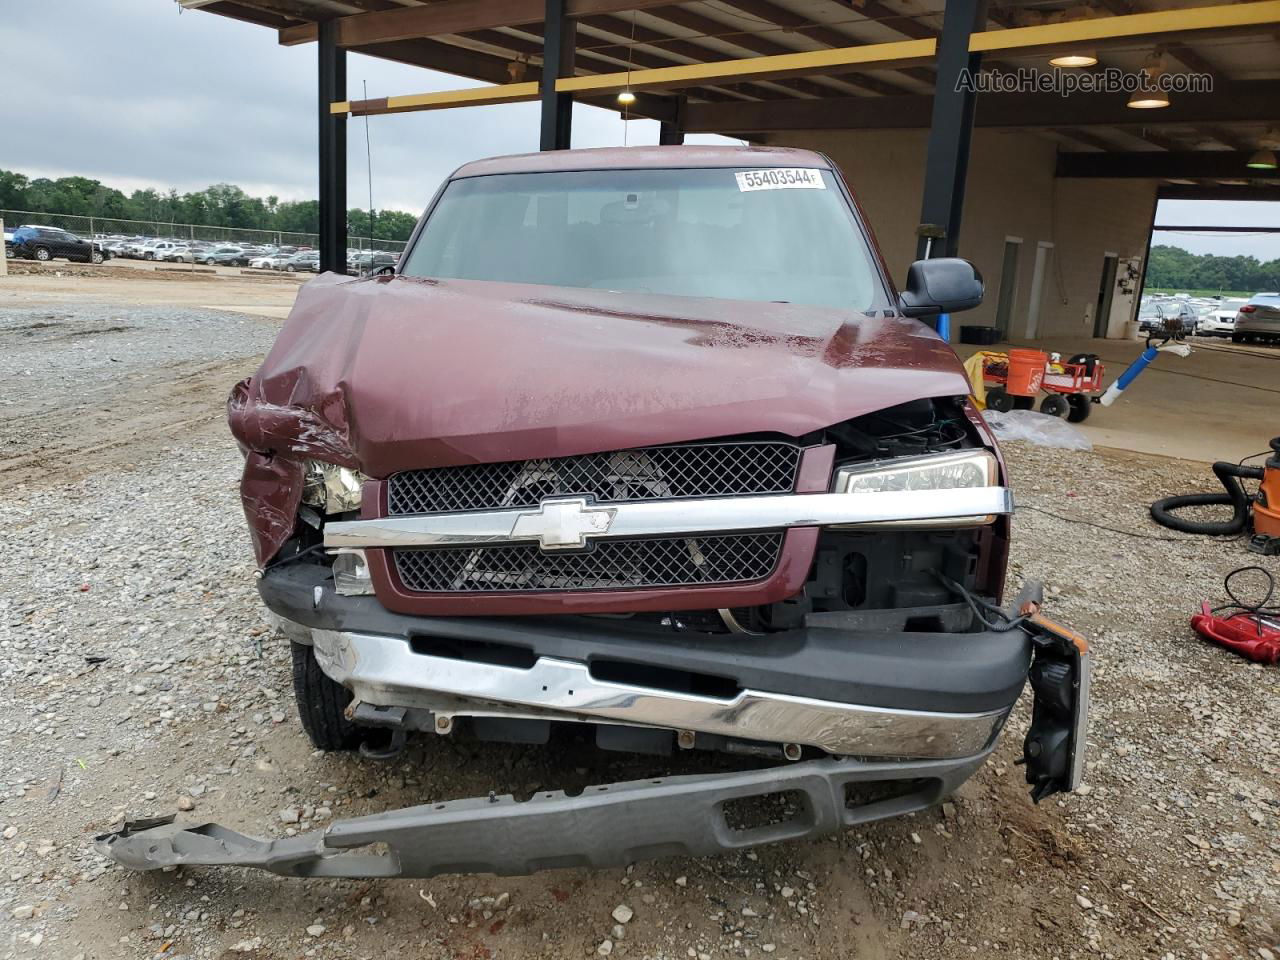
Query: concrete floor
1220	403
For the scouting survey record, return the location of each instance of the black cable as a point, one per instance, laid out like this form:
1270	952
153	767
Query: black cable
293	558
1253	609
977	605
1103	526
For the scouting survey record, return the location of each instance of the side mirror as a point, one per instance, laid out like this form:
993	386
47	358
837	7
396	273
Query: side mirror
944	285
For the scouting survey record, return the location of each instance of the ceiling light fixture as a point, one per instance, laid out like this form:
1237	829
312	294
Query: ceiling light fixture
626	97
1080	58
1075	58
1149	96
1262	160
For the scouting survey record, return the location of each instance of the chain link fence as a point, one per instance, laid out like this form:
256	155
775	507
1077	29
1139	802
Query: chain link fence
89	227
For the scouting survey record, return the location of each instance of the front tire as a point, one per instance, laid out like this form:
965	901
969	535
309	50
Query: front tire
322	704
1055	405
1000	400
1081	405
96	257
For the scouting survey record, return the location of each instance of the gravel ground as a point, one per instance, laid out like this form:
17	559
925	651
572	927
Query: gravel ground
142	678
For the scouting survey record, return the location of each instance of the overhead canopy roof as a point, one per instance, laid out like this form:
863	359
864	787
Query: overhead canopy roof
869	68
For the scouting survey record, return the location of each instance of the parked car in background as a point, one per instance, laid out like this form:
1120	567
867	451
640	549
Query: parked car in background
369	261
47	243
181	253
223	257
270	261
1174	316
301	262
159	249
1220	321
1258	320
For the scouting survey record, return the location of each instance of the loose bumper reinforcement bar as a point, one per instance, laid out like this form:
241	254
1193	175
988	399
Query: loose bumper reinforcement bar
605	826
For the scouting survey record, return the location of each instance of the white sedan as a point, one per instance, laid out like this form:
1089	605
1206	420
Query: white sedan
1221	321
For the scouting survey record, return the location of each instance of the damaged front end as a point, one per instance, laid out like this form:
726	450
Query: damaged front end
785	559
617	824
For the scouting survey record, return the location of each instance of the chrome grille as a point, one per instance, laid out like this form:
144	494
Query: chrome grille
608	565
734	468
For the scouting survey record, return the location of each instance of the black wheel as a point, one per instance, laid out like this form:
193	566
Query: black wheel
210	262
289	267
1081	405
1023	403
43	254
999	399
321	703
1055	405
1237	338
96	256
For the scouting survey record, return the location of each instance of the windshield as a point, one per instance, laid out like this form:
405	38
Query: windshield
774	235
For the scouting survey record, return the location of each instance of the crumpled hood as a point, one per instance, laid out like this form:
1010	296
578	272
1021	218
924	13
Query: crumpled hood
391	374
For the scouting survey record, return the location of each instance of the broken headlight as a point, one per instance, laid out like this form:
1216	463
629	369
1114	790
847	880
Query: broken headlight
331	488
351	573
959	470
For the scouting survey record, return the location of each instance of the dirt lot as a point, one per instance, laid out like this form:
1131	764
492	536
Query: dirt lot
141	678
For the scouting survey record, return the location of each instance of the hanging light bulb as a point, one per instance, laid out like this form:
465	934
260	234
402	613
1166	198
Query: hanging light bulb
1081	58
1262	160
1149	97
626	98
1076	58
1265	156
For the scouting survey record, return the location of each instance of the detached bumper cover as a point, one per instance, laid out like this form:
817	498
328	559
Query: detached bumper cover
606	826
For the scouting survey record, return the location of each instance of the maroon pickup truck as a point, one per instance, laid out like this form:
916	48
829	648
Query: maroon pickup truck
645	443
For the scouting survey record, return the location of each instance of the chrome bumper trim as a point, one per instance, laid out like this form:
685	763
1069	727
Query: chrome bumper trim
572	522
382	670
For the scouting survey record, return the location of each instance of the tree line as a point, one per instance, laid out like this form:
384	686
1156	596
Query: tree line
219	205
1175	268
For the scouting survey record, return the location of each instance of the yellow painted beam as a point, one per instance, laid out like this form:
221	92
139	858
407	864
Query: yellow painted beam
754	68
1138	26
441	100
1225	16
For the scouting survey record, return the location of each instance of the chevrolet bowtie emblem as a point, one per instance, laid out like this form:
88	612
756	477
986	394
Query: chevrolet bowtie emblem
563	524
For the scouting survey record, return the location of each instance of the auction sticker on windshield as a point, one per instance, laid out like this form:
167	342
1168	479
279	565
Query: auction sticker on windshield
780	178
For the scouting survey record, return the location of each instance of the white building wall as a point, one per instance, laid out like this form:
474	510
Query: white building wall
1011	192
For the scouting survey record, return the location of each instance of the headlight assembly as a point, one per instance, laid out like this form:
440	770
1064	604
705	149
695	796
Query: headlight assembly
961	470
331	488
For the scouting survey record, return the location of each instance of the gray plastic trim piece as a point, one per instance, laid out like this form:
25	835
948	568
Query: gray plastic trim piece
605	826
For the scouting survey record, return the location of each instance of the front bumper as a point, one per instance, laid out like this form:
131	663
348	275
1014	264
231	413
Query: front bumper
854	692
385	671
868	674
606	826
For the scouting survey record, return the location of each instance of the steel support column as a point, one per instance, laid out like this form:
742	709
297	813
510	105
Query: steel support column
671	132
950	130
559	38
333	152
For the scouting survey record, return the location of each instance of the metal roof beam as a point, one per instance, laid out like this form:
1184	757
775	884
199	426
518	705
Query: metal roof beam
451	16
1187	164
1241	101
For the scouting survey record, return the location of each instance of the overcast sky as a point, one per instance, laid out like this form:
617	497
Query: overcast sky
137	94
